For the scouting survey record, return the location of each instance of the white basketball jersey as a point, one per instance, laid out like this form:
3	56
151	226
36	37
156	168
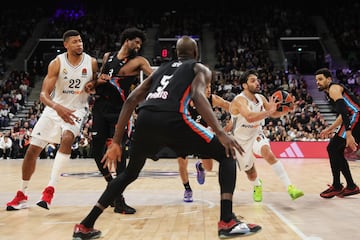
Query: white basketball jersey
244	130
69	88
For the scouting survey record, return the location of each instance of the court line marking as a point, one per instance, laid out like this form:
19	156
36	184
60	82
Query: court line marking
291	225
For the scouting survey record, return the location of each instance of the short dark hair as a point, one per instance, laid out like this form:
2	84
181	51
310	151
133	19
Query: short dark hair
132	33
325	71
244	77
70	33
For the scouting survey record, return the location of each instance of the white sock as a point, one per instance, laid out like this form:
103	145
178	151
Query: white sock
60	161
24	186
256	182
280	171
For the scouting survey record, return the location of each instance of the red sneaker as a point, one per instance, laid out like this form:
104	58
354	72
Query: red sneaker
19	202
47	196
235	228
349	192
331	192
81	232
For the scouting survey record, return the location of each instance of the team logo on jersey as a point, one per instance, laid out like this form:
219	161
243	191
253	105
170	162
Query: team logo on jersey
65	71
176	64
84	72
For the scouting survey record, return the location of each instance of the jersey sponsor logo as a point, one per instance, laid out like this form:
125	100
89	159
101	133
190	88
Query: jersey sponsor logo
72	91
249	125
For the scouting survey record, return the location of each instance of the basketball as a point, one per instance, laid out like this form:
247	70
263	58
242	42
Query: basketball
286	100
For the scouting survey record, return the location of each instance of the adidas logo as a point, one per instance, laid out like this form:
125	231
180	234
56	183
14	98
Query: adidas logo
292	151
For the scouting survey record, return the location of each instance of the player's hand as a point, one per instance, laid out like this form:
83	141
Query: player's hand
350	142
229	126
326	133
111	156
66	114
273	104
90	87
103	78
230	144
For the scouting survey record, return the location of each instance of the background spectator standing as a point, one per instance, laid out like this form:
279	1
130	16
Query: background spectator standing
4	115
16	146
5	146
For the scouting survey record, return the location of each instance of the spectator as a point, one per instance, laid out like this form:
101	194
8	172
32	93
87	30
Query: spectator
32	121
75	153
5	146
84	147
51	150
15	150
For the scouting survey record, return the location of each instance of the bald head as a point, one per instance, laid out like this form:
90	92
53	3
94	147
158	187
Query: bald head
186	47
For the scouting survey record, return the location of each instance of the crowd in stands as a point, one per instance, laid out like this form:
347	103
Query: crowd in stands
343	19
242	42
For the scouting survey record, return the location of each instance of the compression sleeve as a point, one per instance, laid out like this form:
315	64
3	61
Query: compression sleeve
340	107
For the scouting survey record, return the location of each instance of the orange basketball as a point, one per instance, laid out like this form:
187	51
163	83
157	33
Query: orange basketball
286	100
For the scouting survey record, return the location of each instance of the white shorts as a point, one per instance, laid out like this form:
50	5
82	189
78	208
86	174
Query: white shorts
50	127
251	147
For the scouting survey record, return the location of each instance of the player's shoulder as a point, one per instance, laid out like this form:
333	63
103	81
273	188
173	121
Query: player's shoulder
199	66
239	97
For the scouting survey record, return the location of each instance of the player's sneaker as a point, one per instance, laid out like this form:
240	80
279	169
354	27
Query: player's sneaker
81	233
200	172
294	192
188	196
235	228
47	196
19	202
257	194
348	192
331	192
120	206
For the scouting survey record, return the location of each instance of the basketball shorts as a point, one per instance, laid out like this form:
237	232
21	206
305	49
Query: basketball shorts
50	127
252	147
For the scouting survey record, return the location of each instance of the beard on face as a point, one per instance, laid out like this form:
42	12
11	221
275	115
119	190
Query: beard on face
133	53
254	90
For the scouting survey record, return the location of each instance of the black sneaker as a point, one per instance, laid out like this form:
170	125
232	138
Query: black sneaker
122	207
82	233
235	228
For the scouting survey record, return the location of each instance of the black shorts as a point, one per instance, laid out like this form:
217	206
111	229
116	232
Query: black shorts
156	130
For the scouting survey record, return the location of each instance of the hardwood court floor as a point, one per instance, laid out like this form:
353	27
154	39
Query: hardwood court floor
161	213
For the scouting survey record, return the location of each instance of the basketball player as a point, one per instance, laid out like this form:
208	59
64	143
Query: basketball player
66	98
347	133
163	113
205	163
248	112
120	73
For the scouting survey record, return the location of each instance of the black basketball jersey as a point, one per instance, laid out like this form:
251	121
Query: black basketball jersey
196	115
352	107
352	103
118	88
170	88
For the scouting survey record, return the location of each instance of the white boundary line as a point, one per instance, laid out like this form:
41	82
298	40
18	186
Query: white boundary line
292	226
